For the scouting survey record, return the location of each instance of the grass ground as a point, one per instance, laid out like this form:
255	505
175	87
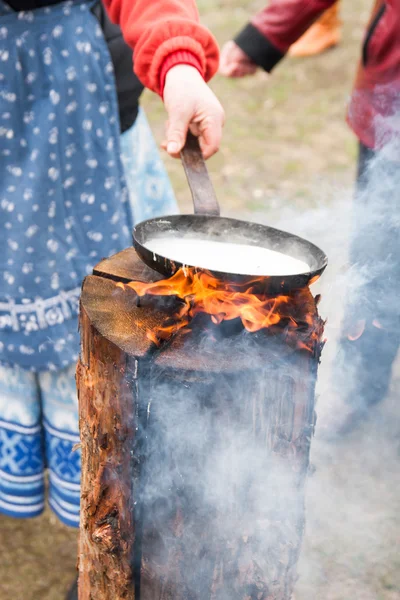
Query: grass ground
282	135
289	159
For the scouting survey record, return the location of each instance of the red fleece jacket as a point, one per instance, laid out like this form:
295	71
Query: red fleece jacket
374	112
164	33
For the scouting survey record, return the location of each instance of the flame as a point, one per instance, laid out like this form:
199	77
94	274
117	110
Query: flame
200	292
357	330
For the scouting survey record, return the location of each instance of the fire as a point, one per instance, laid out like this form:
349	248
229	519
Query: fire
357	330
203	293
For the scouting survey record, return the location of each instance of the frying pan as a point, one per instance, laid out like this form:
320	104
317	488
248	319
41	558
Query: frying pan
207	224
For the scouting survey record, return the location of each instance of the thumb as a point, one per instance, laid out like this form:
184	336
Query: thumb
177	130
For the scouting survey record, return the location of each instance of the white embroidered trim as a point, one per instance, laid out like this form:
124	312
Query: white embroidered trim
23	429
19	479
62	435
40	314
25	509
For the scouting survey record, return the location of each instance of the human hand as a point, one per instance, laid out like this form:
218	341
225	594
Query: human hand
191	104
234	62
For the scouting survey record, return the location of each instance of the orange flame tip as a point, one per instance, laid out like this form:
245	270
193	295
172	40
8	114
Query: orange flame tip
357	331
203	293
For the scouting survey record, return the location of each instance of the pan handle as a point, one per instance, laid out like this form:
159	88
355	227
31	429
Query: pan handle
204	199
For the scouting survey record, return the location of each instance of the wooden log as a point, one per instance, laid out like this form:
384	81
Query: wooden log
194	454
112	341
242	540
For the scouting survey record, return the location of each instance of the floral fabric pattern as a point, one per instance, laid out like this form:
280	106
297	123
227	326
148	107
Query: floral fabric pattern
65	202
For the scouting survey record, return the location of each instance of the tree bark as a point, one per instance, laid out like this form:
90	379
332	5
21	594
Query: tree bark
194	454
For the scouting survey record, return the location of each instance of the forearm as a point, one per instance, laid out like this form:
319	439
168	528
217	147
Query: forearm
164	30
269	35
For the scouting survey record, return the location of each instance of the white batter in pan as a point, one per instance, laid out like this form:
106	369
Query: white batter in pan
241	259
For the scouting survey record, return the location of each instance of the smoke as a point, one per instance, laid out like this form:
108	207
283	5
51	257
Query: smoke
352	498
226	449
221	502
358	229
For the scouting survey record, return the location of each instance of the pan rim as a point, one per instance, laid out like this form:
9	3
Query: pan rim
319	255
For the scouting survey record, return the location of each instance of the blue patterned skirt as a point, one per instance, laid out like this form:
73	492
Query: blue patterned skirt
39	411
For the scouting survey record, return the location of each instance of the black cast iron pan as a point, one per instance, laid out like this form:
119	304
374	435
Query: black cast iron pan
206	224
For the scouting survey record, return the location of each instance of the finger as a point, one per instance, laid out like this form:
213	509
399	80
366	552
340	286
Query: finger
227	50
226	57
177	130
226	69
229	70
243	70
210	136
195	129
222	66
238	69
166	126
164	143
250	69
236	72
174	154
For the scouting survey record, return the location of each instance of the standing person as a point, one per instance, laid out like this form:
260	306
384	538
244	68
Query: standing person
64	202
371	331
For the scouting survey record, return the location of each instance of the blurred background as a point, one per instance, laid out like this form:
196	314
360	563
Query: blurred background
288	160
285	136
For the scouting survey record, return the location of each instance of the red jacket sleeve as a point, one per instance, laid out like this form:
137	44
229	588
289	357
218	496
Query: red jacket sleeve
269	35
158	29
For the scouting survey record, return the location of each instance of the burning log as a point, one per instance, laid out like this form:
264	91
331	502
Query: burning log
195	448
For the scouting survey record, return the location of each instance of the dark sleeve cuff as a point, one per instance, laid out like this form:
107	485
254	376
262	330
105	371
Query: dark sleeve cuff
258	48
